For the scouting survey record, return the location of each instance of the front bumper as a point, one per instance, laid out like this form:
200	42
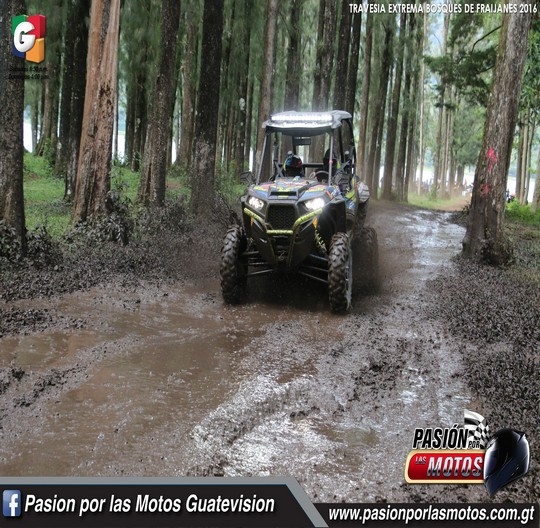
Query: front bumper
285	248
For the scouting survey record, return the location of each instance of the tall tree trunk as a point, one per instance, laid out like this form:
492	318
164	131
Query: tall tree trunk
379	103
189	93
438	171
294	66
47	141
322	82
67	88
240	132
393	115
159	131
322	79
206	121
364	103
532	128
73	93
484	237
266	91
536	197
11	131
77	102
93	174
445	193
421	149
352	69
342	62
34	122
140	116
249	120
520	153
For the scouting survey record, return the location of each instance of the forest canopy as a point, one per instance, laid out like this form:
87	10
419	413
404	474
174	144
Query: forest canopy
180	88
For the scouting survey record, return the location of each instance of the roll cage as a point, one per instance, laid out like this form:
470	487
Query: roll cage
297	130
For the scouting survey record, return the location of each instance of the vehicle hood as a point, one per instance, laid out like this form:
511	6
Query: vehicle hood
293	190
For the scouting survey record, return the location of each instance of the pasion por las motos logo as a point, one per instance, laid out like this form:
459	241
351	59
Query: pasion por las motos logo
468	454
29	37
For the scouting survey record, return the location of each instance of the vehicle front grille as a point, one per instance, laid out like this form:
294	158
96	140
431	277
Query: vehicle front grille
281	216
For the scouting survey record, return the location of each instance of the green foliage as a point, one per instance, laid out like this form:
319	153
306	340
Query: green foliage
125	181
36	166
522	213
43	197
468	131
430	201
470	57
530	88
466	71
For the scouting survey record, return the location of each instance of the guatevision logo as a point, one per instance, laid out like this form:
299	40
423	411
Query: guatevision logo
29	37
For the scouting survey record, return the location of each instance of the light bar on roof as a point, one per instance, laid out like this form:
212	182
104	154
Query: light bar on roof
317	118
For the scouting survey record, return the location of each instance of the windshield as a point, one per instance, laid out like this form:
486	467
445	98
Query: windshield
313	151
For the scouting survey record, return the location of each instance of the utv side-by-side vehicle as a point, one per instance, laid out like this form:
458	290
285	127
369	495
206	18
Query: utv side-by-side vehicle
302	214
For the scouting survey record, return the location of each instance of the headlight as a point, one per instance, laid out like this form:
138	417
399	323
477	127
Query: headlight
316	203
255	203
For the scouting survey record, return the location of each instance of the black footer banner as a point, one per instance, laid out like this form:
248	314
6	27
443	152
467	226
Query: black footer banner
234	502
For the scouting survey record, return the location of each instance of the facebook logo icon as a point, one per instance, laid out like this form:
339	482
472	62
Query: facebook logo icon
12	503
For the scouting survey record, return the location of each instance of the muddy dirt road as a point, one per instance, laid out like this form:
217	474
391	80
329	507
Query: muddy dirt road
167	381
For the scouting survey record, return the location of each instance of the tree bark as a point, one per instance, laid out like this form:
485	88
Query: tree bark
51	85
11	131
294	67
189	94
364	103
342	62
206	121
73	96
159	131
391	129
93	174
322	82
267	82
536	197
439	174
379	105
484	239
240	139
352	69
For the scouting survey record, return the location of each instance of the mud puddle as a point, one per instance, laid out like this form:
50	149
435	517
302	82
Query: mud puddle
169	381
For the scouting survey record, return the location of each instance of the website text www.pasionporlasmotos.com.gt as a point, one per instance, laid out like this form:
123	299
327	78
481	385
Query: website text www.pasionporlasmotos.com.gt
477	515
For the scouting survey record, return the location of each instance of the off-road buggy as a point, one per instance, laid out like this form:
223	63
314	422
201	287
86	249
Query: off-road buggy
301	216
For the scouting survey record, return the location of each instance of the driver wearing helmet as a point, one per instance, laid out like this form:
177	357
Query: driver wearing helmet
293	165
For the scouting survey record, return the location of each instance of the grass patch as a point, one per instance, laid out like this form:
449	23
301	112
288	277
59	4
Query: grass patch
425	201
522	214
43	197
44	193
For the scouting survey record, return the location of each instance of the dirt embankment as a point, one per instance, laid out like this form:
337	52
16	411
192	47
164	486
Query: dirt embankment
280	384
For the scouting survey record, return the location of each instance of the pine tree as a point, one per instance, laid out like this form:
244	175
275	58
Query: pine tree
93	175
11	131
484	239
